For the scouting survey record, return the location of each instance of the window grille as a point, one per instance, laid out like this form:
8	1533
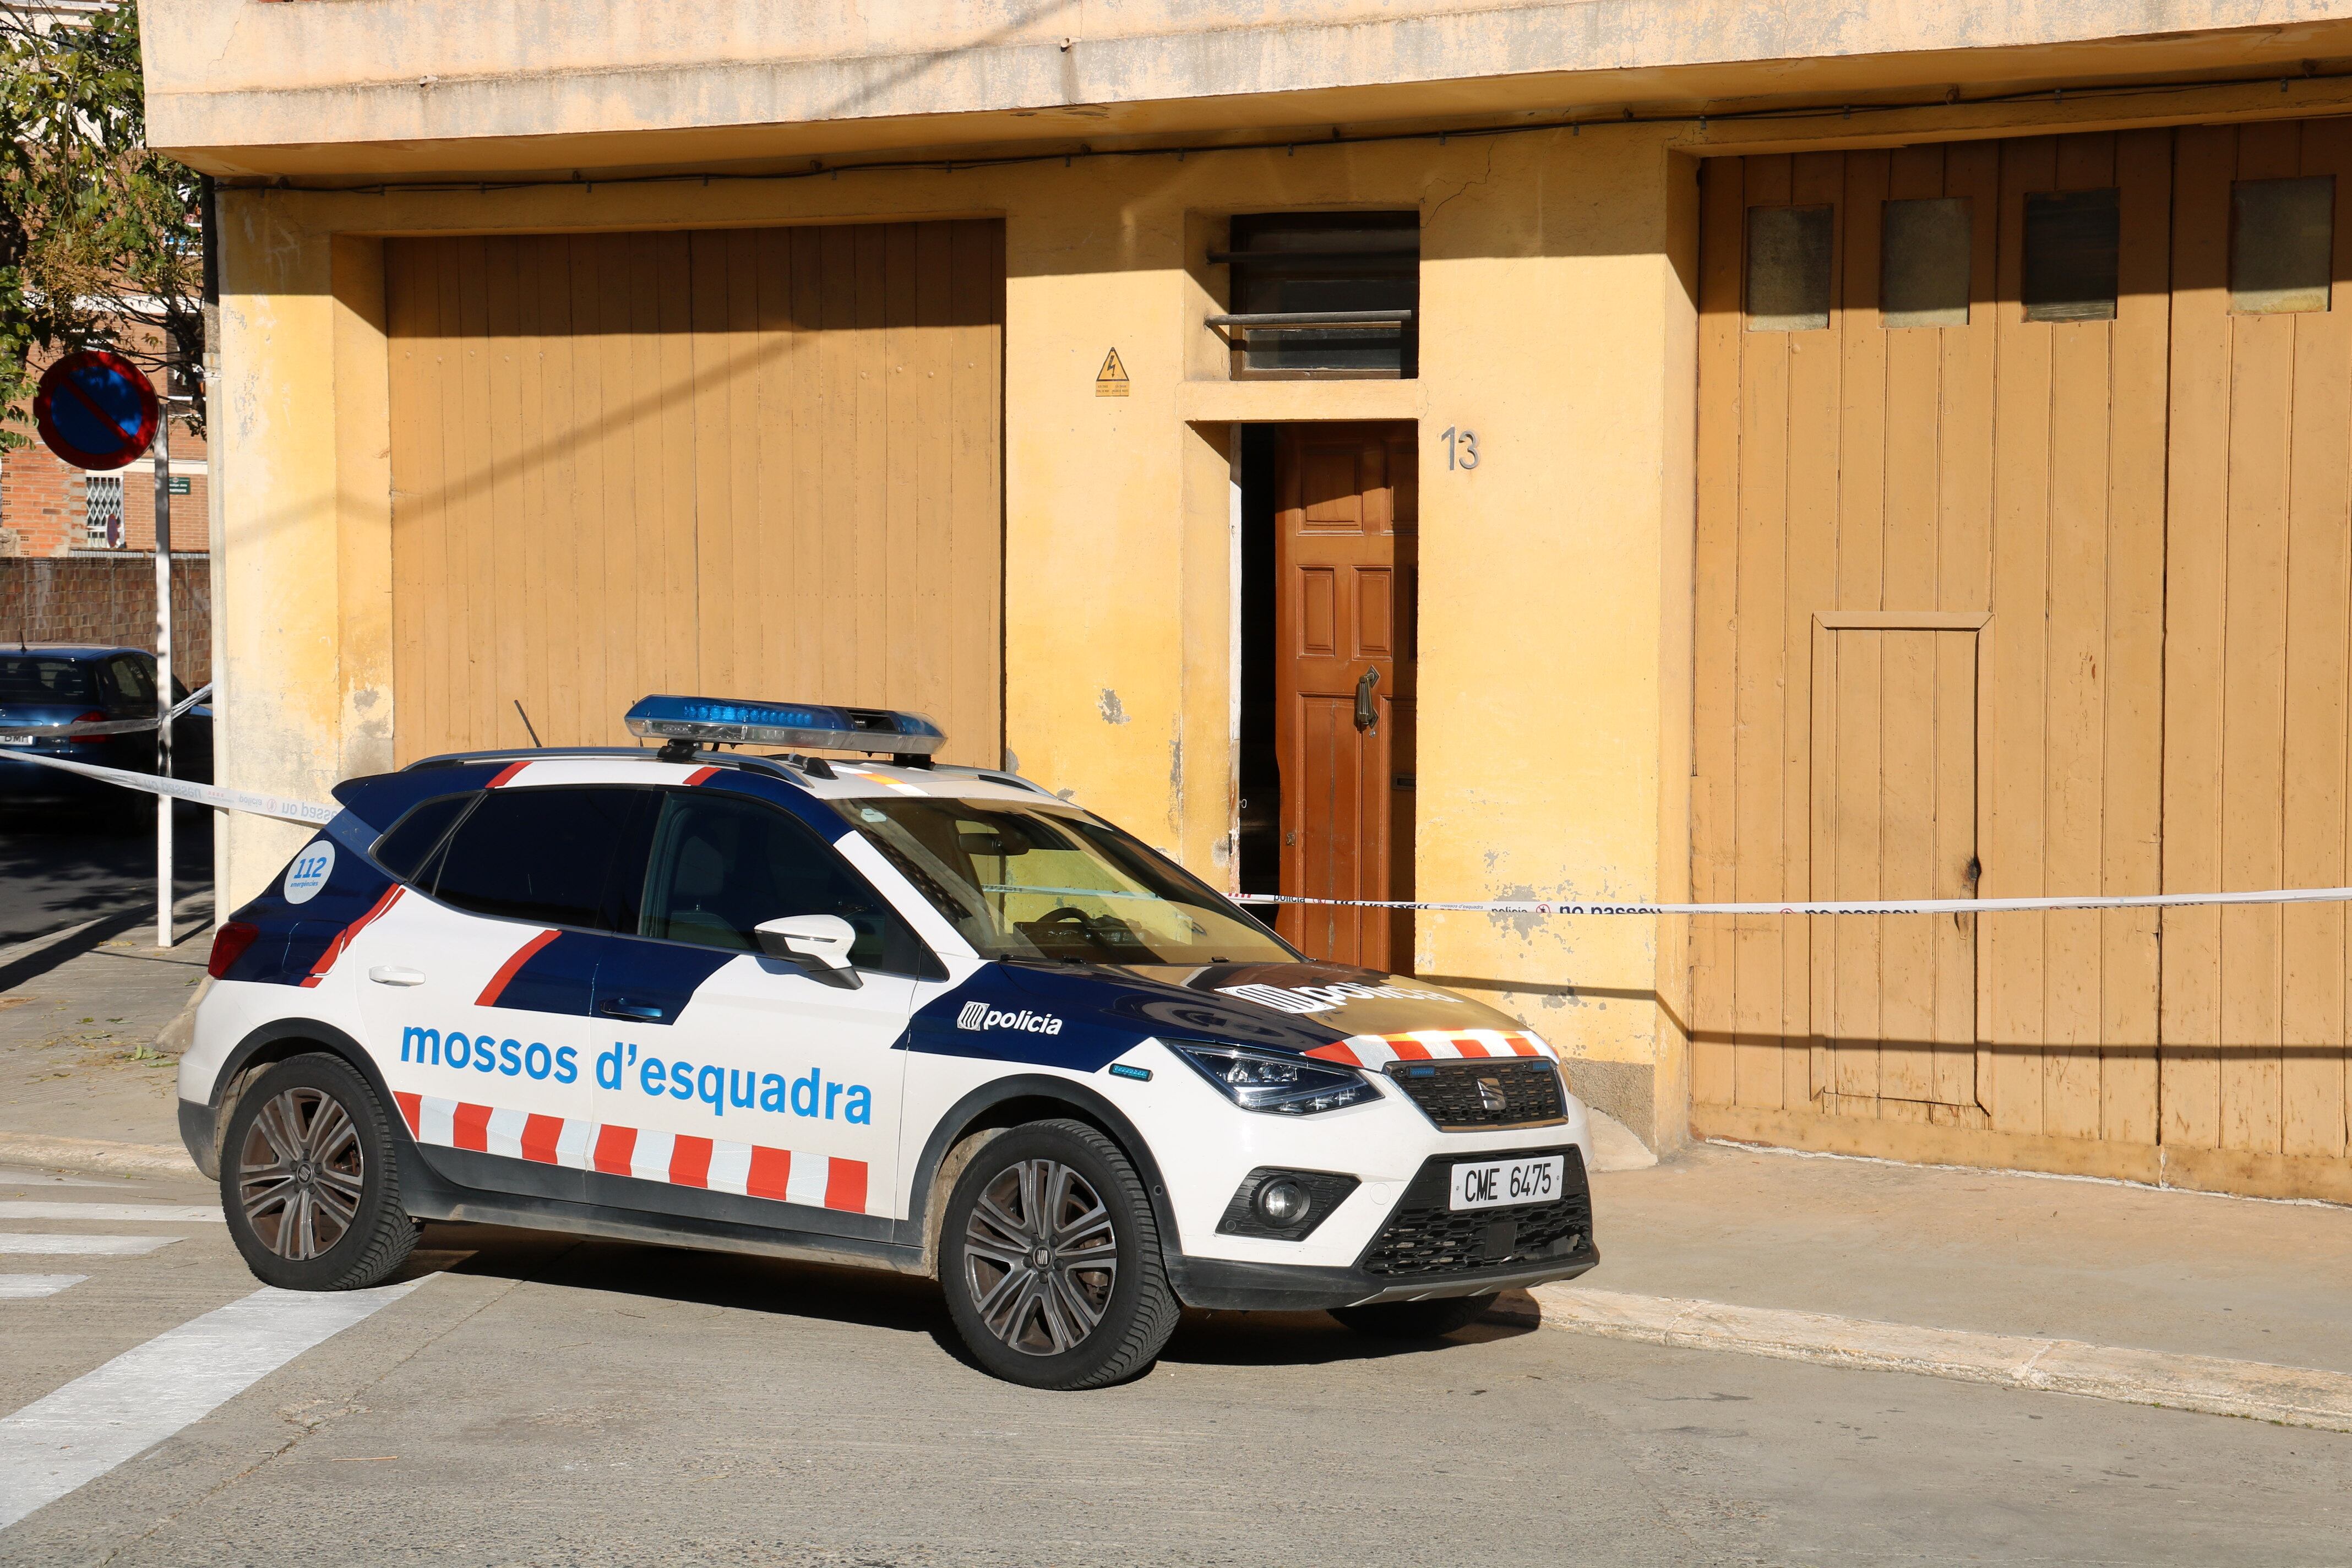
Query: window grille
103	500
1323	294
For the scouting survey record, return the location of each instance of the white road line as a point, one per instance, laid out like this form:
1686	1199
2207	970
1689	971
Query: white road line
2292	1396
26	1245
144	1395
31	1287
168	1214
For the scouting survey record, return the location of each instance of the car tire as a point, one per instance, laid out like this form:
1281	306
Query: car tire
1416	1320
1049	1256
307	1180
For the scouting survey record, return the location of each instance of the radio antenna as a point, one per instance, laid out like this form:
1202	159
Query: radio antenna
525	724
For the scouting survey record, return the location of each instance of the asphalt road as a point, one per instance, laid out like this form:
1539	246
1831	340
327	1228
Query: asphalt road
58	870
538	1400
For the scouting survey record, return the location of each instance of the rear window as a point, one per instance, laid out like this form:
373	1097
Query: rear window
403	851
30	677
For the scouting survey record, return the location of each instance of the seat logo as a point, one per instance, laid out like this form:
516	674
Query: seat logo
980	1016
1491	1096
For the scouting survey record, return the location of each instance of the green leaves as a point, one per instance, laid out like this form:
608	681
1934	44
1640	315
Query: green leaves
100	241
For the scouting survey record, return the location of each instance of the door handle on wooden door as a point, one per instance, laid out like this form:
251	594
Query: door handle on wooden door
1368	717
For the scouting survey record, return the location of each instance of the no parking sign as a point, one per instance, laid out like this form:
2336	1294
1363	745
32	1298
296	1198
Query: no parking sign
96	409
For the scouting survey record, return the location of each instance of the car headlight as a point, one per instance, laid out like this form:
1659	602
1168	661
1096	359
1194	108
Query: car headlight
1280	1085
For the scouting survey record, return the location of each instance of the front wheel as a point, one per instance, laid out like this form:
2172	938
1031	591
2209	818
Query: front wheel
306	1179
1416	1320
1050	1260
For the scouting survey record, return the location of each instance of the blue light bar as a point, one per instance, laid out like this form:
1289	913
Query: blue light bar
718	721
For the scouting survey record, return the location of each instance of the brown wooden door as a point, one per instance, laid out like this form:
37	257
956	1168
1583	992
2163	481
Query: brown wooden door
1346	520
2132	478
1893	788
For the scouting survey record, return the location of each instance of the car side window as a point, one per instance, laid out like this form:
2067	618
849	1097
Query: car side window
543	855
722	865
133	680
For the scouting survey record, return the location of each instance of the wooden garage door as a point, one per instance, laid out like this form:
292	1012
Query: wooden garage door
1923	405
744	463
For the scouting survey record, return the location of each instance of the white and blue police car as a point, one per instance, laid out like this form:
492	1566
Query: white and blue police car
888	1013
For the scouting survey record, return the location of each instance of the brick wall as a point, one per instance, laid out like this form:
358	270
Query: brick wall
110	599
41	507
44	509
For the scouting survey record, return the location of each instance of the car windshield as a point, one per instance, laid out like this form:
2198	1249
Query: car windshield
1034	881
37	677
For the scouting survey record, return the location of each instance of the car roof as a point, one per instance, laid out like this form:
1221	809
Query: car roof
74	649
852	779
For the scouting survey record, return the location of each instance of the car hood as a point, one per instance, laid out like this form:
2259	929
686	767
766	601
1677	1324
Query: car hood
1275	1006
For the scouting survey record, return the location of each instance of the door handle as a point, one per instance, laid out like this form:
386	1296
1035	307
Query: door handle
630	1010
393	974
1368	717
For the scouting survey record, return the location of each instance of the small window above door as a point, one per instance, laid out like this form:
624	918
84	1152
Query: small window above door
1323	295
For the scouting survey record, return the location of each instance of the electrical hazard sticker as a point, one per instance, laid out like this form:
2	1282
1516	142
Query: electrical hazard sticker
1111	380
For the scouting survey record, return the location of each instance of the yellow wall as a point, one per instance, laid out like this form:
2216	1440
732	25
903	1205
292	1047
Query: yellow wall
1552	328
1555	597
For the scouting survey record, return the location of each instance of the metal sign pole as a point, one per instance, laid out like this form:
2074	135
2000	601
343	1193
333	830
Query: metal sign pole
163	664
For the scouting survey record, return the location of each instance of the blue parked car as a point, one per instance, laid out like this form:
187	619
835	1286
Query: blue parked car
46	685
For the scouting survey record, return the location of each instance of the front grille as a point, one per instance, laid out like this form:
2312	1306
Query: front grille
1422	1236
1479	1095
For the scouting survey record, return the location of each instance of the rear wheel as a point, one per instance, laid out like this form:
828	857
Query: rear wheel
308	1182
1050	1260
1416	1320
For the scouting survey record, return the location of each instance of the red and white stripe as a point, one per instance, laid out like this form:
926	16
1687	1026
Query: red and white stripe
1433	1044
681	1159
345	937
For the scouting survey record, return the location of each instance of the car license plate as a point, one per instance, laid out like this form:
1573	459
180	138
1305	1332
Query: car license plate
16	740
1497	1183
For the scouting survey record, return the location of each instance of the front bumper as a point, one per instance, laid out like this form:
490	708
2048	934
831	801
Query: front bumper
1216	1284
1423	1249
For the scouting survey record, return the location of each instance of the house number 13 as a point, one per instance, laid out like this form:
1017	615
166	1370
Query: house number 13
1461	447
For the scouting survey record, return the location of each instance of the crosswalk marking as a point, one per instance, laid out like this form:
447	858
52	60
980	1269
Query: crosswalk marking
25	1244
166	1213
144	1395
30	1287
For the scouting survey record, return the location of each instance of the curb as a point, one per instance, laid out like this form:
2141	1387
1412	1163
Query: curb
2290	1395
95	1155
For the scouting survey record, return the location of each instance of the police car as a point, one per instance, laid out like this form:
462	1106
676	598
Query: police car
890	1013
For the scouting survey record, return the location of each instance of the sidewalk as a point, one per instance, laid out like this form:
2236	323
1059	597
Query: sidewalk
1998	1253
79	1011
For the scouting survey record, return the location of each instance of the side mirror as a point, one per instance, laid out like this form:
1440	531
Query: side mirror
819	944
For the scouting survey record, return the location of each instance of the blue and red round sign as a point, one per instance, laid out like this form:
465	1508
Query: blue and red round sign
96	409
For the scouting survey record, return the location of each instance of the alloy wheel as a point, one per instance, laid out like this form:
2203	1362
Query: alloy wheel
1041	1256
301	1173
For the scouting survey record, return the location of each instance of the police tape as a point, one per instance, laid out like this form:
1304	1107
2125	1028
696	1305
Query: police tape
76	729
314	813
1844	907
309	813
81	727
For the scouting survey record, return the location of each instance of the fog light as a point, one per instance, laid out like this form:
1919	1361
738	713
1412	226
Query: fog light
1283	1203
